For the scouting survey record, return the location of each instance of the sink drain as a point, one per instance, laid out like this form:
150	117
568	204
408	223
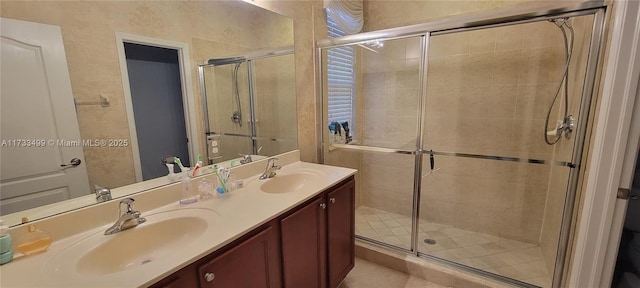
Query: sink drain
430	241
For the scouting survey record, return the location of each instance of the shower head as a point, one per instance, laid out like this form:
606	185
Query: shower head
224	61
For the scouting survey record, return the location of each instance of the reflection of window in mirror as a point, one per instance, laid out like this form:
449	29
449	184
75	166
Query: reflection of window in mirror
340	82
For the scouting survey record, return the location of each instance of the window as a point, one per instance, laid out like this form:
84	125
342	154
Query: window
340	79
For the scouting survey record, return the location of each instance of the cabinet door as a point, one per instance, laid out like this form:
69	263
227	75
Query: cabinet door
254	263
185	277
341	232
304	246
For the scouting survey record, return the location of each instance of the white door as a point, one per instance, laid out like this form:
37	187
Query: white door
38	120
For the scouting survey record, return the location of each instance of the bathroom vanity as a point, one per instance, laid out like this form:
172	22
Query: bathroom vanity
293	230
312	245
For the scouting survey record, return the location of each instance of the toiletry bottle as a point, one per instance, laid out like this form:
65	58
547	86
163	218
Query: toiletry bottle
34	241
332	133
188	195
347	136
6	250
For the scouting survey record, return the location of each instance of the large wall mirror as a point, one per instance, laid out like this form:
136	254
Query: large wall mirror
118	54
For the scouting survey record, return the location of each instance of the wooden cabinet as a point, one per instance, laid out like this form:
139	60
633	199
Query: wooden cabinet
318	239
312	245
341	232
304	246
186	277
253	263
249	262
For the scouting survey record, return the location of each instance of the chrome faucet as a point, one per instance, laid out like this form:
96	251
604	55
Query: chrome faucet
270	171
102	193
246	158
128	217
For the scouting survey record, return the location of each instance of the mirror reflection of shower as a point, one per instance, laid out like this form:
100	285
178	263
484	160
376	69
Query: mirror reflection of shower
564	127
256	85
236	117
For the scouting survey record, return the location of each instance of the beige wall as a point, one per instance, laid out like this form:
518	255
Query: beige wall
88	31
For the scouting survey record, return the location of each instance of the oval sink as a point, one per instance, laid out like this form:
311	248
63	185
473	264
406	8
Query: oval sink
140	245
163	234
288	182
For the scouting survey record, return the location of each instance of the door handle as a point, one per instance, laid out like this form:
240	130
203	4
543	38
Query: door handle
74	162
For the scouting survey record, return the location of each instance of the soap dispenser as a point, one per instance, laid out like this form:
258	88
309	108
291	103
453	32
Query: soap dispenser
6	251
34	241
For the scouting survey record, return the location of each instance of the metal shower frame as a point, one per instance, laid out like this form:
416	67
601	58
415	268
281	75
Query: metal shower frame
506	17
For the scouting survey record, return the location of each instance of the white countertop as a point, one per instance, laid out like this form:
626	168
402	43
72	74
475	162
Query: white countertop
240	211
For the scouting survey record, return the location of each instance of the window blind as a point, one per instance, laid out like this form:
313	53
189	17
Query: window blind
340	78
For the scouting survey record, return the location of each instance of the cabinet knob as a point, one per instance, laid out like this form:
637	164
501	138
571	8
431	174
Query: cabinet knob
323	206
209	276
333	200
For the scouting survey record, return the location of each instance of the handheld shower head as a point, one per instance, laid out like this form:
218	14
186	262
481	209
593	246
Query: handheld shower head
236	116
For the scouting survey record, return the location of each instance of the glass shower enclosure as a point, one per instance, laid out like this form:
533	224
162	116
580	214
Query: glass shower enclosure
247	104
468	135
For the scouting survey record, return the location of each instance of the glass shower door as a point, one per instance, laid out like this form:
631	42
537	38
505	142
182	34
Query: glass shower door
373	91
494	200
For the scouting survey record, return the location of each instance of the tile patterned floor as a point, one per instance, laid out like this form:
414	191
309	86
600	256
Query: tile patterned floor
510	258
370	275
